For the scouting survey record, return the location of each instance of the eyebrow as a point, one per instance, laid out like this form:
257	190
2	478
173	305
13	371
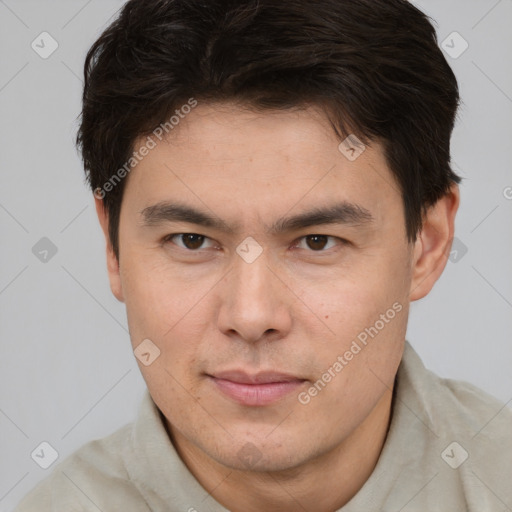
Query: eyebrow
339	213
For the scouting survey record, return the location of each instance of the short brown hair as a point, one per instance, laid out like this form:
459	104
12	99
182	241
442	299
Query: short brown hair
375	67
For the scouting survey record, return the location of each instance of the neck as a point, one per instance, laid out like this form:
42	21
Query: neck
323	484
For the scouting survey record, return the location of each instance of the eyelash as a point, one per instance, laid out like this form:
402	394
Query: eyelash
168	239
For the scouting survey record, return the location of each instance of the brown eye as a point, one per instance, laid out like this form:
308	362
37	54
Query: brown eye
189	241
316	242
192	241
320	243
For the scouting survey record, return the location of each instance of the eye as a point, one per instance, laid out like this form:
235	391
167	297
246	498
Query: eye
318	243
188	241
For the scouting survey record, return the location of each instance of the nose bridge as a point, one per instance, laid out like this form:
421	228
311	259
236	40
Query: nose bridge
253	304
251	283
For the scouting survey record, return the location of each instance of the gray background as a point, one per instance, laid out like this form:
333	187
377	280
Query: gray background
67	373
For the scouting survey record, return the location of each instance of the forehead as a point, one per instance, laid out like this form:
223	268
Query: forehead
225	137
231	158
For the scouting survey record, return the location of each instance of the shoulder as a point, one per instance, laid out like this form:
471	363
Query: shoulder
466	435
482	422
453	404
93	476
476	408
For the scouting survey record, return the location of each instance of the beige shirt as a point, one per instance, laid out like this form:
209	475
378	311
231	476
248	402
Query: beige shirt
449	449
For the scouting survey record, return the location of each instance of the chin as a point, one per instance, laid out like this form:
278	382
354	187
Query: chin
258	457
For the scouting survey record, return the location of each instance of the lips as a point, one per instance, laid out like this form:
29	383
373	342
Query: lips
241	377
259	389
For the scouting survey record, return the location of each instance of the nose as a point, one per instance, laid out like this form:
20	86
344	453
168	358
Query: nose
254	302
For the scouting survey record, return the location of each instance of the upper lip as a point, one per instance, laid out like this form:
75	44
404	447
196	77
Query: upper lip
242	377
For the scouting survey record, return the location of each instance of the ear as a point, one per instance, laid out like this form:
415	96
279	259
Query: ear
432	247
112	262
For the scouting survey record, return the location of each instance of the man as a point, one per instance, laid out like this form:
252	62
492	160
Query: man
274	185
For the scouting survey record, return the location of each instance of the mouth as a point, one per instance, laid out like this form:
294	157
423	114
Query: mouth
255	390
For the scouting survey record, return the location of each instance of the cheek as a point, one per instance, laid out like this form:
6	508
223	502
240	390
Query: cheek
362	314
157	298
346	305
173	321
172	314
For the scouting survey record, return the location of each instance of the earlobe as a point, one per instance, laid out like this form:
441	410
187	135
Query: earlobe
112	262
432	247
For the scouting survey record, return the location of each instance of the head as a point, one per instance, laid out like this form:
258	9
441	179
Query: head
229	120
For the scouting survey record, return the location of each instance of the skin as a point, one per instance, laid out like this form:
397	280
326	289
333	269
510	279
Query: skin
295	309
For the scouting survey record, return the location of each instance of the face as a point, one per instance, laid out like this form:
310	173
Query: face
280	328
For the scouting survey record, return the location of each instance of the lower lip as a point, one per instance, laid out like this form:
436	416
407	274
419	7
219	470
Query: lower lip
256	394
